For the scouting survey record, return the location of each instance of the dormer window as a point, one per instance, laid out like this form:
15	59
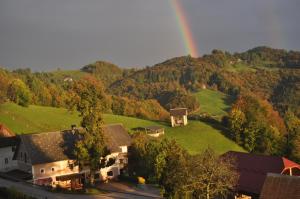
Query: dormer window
42	171
52	169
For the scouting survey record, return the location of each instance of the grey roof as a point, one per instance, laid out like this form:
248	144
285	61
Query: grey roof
57	146
154	128
49	147
116	136
178	112
8	141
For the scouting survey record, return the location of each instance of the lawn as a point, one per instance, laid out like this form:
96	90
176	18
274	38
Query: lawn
194	137
34	119
212	102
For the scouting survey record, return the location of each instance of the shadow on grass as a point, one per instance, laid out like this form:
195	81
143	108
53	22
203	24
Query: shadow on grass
214	123
228	101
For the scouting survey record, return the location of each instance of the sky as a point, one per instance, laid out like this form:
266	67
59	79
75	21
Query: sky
45	35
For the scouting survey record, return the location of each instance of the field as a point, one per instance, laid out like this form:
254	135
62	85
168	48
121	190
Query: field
212	102
194	137
61	74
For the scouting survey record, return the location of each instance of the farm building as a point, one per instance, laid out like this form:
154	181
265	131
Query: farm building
155	131
278	186
8	143
253	170
50	159
178	117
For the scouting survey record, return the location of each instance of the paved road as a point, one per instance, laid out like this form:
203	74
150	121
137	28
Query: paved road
40	193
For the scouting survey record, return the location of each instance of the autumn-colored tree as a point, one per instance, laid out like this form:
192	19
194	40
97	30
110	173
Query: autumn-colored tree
172	169
19	93
91	147
293	136
256	126
4	82
211	176
88	90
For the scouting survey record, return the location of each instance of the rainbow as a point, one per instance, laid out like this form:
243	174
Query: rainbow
189	42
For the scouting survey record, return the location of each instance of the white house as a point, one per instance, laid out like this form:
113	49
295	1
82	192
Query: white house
7	150
118	143
8	142
50	159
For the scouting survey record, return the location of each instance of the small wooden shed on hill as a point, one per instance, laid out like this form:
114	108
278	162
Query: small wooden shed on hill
178	117
155	131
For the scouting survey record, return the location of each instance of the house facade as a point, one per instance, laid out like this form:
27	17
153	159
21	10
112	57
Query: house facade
178	117
7	150
48	157
8	143
119	142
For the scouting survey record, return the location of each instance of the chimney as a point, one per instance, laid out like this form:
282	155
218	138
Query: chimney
73	128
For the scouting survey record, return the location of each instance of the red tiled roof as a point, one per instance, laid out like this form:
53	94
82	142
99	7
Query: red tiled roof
254	168
289	164
6	132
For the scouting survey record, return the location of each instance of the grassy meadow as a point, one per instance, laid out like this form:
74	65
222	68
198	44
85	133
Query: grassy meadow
194	137
212	102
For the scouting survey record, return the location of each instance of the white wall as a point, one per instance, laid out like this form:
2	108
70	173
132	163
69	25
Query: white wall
185	121
60	168
7	153
22	164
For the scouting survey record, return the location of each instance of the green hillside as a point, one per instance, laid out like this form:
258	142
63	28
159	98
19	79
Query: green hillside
195	137
212	102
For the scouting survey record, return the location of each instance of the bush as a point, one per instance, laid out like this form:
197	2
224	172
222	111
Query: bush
12	194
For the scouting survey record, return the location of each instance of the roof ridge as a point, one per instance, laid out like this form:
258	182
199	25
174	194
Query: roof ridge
255	154
113	124
178	108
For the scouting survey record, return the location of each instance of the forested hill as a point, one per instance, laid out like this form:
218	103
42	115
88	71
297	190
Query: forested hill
271	74
232	74
259	90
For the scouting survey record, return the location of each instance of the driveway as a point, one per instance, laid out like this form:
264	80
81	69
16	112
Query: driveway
40	193
139	190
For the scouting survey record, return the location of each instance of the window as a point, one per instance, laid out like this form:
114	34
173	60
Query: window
25	157
52	169
42	170
13	149
21	155
71	166
110	173
121	161
6	160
